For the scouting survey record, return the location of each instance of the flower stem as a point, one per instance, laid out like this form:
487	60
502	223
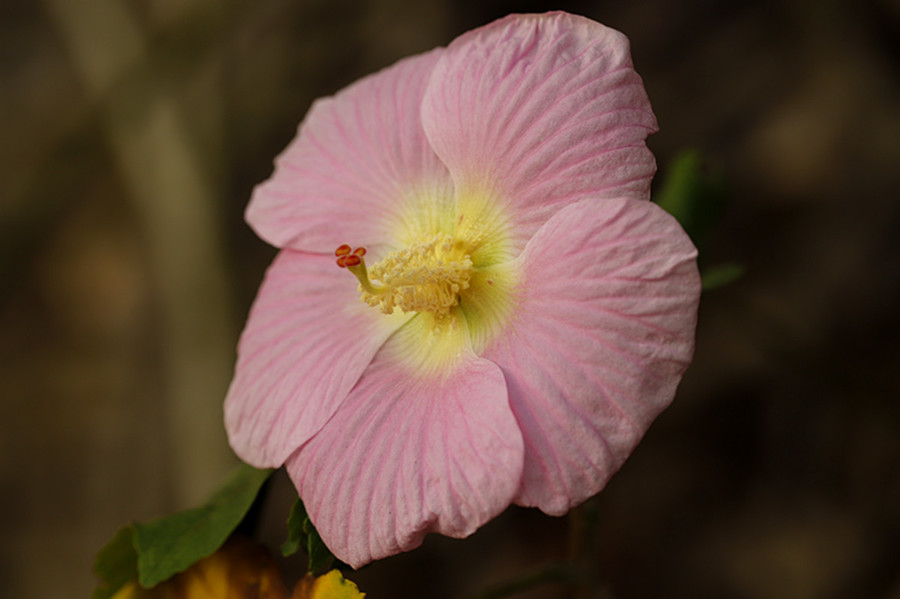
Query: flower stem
548	573
584	551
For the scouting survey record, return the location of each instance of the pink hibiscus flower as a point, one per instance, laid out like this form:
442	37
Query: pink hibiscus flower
527	313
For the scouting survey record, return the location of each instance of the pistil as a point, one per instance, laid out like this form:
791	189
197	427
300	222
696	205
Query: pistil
353	261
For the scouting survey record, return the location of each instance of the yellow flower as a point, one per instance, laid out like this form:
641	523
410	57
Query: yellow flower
328	586
241	569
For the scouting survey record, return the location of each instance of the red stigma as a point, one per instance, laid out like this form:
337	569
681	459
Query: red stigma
347	256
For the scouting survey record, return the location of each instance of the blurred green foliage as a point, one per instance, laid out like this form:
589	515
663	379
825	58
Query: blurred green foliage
301	532
697	198
156	551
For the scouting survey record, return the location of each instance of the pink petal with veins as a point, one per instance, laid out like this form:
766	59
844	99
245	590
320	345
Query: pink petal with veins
356	159
405	456
603	330
307	341
541	111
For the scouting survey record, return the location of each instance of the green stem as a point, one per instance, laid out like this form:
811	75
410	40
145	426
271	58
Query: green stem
580	574
584	551
553	572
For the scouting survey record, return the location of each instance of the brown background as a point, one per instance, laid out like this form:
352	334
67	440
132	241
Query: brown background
131	134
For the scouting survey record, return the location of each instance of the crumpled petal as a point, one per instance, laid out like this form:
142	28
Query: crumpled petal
538	111
307	341
603	330
360	158
408	455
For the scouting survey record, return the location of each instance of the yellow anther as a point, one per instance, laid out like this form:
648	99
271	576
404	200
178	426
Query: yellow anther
427	276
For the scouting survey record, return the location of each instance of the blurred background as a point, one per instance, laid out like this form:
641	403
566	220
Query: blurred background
131	135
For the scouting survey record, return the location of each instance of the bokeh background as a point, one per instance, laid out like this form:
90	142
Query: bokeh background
132	132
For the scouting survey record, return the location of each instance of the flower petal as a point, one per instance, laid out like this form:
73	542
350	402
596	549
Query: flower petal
602	333
407	455
307	341
538	111
359	159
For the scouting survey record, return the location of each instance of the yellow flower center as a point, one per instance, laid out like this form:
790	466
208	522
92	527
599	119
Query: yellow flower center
453	278
427	276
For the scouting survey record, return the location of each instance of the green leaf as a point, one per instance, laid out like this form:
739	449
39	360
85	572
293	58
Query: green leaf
320	557
115	564
171	544
719	276
295	529
301	532
695	197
